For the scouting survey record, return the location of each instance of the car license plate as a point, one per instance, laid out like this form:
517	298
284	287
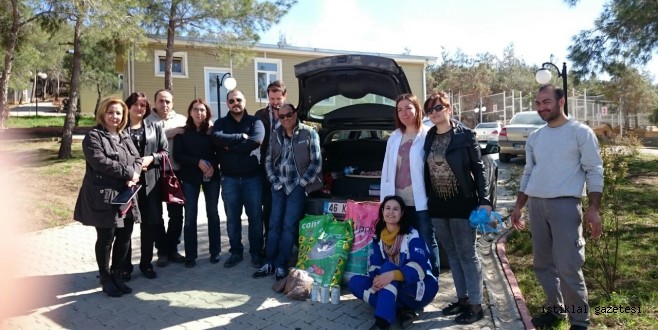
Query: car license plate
519	146
335	208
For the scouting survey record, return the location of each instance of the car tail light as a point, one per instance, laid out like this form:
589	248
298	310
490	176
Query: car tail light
495	132
503	132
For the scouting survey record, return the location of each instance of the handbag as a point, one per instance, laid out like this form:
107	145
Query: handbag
172	191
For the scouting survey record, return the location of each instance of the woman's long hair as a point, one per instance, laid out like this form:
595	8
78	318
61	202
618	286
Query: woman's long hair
405	220
189	124
419	111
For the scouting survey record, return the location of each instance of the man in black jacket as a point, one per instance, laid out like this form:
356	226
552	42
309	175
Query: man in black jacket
276	95
238	136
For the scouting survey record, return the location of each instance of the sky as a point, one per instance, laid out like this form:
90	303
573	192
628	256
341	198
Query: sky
536	28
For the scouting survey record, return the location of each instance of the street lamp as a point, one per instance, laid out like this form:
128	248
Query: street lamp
543	76
229	83
41	75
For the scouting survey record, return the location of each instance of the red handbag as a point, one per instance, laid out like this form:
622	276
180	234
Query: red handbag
172	191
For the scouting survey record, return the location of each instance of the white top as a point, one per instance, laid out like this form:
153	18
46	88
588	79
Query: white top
173	120
416	164
560	160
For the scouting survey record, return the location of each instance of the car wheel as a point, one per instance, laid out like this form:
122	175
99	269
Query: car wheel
504	158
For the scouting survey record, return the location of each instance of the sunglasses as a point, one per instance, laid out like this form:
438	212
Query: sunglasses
231	101
287	115
437	108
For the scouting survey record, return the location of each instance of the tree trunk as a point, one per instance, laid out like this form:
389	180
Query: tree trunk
98	98
67	135
9	59
169	51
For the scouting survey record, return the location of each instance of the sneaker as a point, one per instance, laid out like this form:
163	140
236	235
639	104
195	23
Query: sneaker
265	270
577	327
177	258
190	263
256	261
454	309
407	318
280	273
546	320
214	259
233	260
163	261
469	316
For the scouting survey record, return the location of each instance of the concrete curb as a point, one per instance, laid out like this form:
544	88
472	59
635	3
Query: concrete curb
511	280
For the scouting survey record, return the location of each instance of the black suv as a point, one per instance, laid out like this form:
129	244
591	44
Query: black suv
351	100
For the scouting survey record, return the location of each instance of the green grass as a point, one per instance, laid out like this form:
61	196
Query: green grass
637	263
45	121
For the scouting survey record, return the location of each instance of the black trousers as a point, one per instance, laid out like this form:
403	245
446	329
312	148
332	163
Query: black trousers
267	206
174	230
114	242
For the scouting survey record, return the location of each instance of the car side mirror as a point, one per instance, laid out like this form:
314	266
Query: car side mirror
490	149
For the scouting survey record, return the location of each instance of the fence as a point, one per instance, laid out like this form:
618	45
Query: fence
593	110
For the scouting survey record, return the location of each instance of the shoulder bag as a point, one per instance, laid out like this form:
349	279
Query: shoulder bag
172	191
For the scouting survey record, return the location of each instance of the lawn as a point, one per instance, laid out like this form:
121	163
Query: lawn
49	186
637	263
45	121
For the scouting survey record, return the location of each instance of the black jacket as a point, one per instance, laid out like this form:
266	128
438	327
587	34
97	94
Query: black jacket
150	201
109	165
238	156
463	157
189	148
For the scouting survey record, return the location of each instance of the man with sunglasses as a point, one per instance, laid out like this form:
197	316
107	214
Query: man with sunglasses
276	94
238	137
294	169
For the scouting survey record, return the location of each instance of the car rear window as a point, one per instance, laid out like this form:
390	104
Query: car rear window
358	135
487	125
528	118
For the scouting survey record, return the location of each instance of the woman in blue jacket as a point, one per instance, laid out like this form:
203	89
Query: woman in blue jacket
400	278
195	153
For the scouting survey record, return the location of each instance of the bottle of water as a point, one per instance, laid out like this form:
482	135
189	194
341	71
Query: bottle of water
206	178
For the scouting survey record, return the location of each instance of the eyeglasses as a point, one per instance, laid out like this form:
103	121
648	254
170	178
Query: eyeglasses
438	108
231	101
287	115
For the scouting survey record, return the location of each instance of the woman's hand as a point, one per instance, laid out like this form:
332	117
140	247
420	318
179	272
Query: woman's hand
382	280
146	161
486	207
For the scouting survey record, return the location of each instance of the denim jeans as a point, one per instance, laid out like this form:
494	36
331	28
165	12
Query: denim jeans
211	193
458	239
287	210
238	192
423	223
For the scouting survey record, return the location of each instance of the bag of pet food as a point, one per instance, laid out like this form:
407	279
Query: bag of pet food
324	250
364	216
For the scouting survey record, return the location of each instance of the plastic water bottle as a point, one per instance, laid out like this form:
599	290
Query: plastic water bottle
206	178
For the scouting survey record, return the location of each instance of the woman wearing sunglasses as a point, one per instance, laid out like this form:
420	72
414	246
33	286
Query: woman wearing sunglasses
294	168
402	172
454	177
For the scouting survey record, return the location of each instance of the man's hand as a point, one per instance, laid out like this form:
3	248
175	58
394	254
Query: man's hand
593	222
175	131
516	219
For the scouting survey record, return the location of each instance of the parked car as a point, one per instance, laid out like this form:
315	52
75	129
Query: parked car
488	130
351	99
513	136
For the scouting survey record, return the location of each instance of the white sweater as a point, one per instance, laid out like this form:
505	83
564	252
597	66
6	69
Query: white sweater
173	120
560	160
416	164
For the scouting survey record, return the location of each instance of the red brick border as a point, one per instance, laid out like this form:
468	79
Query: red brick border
511	279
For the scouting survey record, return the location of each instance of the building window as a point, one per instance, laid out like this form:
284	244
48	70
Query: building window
178	65
267	71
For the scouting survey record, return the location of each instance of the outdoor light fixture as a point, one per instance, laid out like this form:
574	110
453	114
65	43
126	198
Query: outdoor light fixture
229	83
41	75
543	76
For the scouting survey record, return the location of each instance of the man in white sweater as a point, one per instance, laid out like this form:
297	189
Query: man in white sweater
561	157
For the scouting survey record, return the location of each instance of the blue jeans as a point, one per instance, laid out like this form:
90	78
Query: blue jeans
211	193
423	223
458	239
238	192
287	210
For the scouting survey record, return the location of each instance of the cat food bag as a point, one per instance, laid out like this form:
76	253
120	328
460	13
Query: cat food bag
364	216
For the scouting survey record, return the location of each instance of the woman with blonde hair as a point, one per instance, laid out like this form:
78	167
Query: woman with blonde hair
112	164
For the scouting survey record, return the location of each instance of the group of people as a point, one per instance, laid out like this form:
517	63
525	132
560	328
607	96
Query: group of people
268	163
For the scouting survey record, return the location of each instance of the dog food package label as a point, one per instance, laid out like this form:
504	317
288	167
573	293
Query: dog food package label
364	216
324	251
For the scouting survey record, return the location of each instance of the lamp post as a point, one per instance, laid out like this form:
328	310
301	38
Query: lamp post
229	83
36	87
543	76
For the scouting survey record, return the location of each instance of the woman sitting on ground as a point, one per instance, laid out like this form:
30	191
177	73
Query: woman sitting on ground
399	269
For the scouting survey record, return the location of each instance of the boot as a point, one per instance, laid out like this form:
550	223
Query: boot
109	287
119	283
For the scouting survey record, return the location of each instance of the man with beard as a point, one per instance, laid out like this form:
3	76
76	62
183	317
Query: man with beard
276	94
238	137
561	157
172	124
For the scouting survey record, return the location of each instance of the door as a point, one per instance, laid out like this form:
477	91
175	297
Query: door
211	82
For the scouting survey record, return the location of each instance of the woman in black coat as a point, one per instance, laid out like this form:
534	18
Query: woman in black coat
112	164
151	143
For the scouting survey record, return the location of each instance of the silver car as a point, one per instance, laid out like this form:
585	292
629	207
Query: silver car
488	131
512	137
